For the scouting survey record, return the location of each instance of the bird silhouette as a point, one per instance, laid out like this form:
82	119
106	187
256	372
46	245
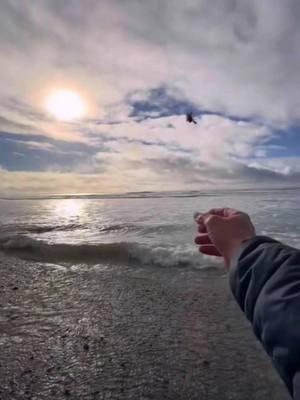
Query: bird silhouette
190	118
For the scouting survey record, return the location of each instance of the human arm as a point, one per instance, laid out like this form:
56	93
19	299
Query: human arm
265	281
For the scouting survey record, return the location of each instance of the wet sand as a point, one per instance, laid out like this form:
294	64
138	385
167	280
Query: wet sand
121	333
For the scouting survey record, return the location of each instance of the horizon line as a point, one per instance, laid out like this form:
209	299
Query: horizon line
144	193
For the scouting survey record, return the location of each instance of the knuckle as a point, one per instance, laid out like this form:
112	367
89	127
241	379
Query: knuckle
212	220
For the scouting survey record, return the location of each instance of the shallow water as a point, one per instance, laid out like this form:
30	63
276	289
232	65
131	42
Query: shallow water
126	333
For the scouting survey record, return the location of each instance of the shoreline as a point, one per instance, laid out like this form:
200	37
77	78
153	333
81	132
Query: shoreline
107	332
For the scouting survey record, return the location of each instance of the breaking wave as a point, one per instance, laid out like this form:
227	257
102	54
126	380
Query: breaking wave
121	253
38	229
143	229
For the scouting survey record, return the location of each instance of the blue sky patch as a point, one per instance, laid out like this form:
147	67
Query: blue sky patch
39	153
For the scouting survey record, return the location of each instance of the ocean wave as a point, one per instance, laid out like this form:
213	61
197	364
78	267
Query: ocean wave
121	253
39	229
144	229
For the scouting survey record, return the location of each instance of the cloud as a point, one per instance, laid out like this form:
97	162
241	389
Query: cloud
41	153
217	152
215	139
16	153
159	102
230	57
7	125
284	166
30	144
173	173
140	66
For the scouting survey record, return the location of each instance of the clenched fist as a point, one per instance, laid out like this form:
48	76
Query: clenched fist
222	231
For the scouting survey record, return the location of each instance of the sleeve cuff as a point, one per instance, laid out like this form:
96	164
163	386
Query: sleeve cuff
246	247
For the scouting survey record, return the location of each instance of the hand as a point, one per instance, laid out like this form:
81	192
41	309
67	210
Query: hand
222	231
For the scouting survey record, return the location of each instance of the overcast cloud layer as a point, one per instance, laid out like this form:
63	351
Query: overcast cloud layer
140	65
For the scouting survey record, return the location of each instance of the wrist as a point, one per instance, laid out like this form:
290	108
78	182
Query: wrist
235	248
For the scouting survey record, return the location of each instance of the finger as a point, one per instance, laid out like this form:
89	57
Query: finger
200	217
217	211
201	228
223	212
203	239
197	215
201	222
210	250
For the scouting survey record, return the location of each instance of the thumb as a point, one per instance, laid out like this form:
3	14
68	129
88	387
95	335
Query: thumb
215	226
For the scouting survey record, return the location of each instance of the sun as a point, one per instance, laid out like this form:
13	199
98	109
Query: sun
66	105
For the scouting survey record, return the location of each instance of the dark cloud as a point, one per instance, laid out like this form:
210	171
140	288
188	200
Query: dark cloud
166	101
159	102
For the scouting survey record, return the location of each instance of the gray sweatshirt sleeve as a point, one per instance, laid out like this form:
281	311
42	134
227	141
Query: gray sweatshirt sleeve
265	280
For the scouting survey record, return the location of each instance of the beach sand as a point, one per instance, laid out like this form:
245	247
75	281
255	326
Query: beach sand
126	333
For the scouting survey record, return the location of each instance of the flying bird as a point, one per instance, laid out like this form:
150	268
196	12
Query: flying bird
190	118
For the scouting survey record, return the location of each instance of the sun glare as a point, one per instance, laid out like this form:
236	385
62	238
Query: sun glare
68	208
66	105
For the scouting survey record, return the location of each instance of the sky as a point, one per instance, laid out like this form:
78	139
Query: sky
138	66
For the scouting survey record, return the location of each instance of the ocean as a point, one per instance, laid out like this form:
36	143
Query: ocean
136	229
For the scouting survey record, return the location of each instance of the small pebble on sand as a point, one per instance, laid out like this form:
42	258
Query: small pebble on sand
86	347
